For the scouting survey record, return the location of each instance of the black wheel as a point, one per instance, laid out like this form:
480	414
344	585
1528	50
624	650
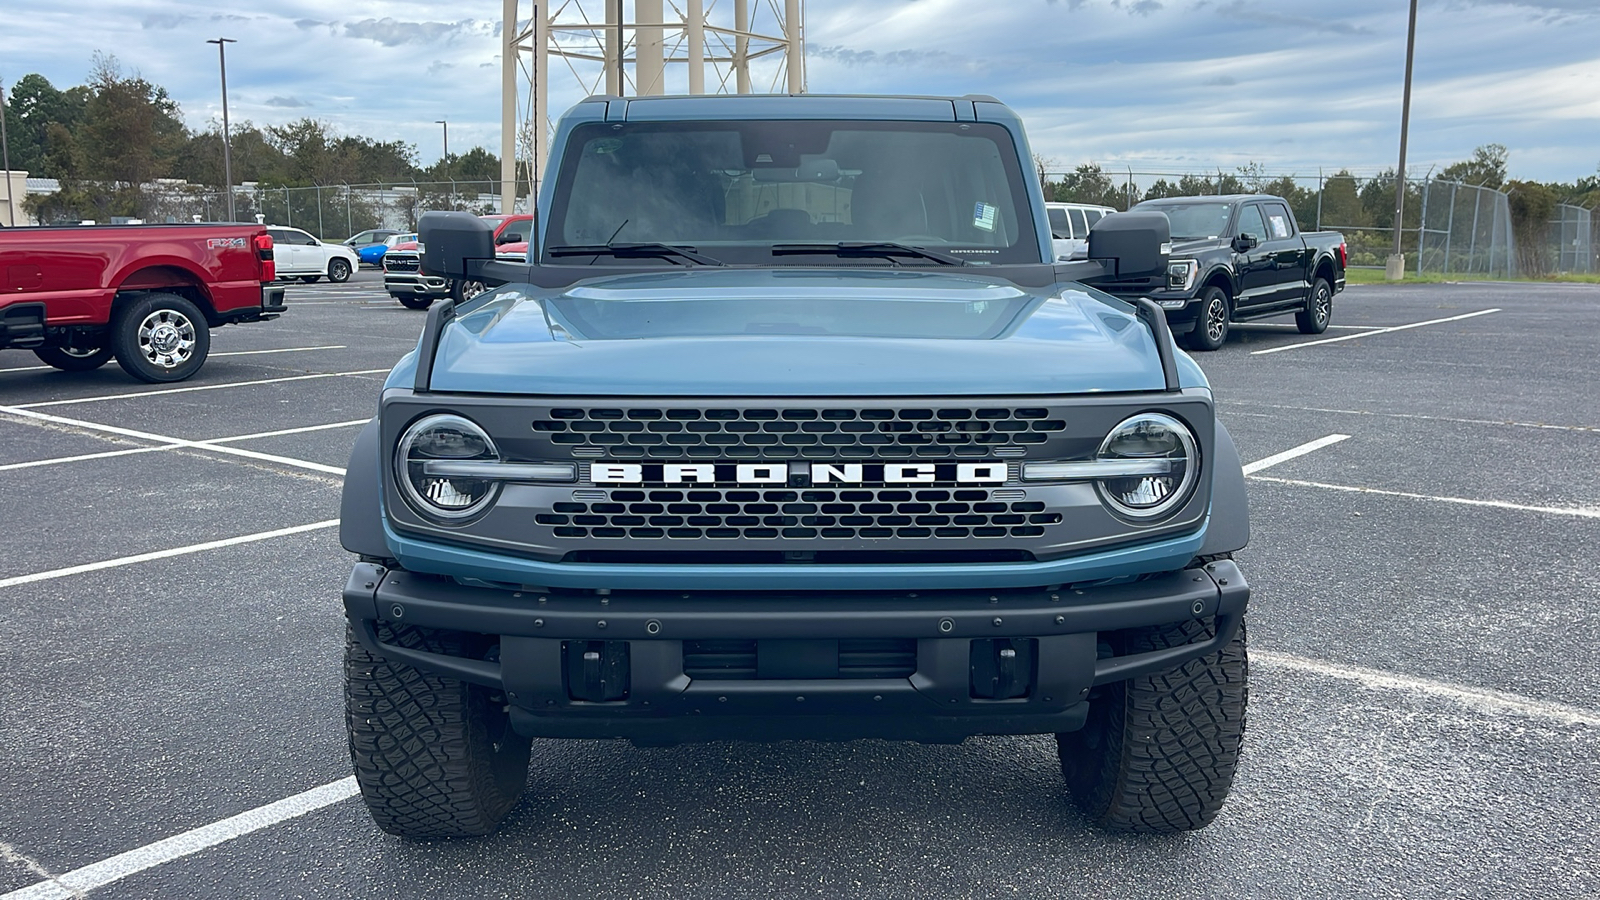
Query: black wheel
435	757
462	291
160	337
414	301
310	279
1319	309
1158	753
74	359
338	271
1211	328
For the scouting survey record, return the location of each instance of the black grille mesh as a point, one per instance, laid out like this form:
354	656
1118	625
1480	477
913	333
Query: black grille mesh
401	263
724	660
743	514
790	433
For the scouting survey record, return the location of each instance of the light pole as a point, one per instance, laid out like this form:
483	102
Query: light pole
1396	267
444	161
5	161
227	156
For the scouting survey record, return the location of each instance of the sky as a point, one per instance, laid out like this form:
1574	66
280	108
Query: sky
1151	86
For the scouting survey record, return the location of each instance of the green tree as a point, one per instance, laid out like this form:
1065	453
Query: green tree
1487	167
1532	206
132	130
32	105
1089	184
477	164
1341	202
1162	188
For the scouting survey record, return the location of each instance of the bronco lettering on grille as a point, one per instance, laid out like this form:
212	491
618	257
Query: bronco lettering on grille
779	473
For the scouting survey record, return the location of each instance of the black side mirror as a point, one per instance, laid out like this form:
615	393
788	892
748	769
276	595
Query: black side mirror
1244	242
452	242
1135	243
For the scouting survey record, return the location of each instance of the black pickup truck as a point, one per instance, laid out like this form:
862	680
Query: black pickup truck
1237	257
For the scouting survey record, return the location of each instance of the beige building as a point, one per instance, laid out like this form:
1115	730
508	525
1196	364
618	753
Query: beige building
13	187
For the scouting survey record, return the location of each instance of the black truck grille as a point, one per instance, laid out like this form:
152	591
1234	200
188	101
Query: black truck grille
735	660
401	263
742	514
789	433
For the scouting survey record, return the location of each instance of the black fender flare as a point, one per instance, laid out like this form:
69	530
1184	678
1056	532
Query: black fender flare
361	503
1228	528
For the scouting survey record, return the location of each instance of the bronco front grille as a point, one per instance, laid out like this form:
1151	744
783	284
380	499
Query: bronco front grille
735	514
775	433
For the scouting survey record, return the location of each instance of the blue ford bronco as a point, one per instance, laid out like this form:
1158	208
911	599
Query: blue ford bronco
790	427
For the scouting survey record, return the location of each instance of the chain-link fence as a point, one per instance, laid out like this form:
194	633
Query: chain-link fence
1449	228
1569	246
329	212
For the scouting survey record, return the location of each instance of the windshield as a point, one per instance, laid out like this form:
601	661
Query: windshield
1195	221
733	190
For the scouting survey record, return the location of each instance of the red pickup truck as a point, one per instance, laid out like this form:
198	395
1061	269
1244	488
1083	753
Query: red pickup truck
148	295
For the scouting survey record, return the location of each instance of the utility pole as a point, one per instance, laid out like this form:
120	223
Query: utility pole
1395	269
227	156
5	161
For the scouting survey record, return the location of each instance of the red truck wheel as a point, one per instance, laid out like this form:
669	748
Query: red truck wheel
160	338
74	359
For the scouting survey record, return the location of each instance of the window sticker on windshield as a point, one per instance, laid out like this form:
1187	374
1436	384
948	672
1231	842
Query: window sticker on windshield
983	215
1280	226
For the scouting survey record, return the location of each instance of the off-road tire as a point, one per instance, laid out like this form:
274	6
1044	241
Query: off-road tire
434	756
1318	313
131	339
73	359
413	301
1211	327
338	271
1159	752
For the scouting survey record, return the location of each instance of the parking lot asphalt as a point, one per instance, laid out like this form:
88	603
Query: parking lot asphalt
1424	627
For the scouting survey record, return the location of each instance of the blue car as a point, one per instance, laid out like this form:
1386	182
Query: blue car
814	439
370	245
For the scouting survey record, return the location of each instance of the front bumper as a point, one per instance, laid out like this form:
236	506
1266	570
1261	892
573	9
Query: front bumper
938	702
398	283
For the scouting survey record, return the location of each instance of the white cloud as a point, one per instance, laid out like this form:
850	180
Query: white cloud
1164	84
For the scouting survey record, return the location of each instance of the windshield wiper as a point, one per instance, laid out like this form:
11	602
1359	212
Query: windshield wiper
646	250
886	249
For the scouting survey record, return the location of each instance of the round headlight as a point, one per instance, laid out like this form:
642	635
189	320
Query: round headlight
1150	436
444	437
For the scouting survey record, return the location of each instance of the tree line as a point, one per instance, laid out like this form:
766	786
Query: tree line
1348	202
108	140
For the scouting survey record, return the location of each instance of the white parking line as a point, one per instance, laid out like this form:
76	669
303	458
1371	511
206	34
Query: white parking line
214	445
1294	452
1426	418
100	874
1480	699
225	353
1582	512
84	457
1351	337
163	554
200	445
97	875
198	387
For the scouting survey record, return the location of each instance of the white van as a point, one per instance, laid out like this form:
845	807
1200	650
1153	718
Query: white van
1069	226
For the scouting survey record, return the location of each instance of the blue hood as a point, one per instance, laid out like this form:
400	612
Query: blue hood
797	332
